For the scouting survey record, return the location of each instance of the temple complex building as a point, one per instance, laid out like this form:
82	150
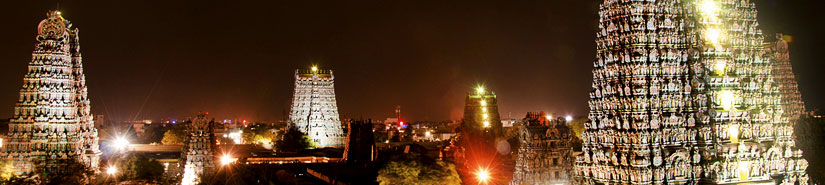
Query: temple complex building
199	150
684	93
545	154
314	108
52	122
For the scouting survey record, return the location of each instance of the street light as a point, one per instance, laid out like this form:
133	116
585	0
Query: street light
226	159
121	143
568	118
483	175
112	170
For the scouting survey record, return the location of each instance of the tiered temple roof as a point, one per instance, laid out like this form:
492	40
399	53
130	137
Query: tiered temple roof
683	93
314	108
199	149
545	154
52	120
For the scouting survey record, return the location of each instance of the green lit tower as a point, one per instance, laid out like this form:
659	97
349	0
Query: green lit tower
481	112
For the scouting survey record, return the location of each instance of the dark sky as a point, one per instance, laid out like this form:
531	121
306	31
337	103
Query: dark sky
235	59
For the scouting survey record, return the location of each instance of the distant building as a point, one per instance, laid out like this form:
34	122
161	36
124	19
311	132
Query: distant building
314	108
360	148
545	154
139	129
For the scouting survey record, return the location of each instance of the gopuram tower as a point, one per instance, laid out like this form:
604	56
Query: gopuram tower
52	122
792	105
314	109
481	147
684	93
199	150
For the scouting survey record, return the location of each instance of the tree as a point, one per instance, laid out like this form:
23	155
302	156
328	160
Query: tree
808	133
414	169
139	167
175	135
172	138
6	170
73	172
262	134
294	140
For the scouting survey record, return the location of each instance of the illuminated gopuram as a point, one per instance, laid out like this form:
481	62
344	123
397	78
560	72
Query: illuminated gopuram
792	103
199	150
481	113
545	153
314	109
52	122
481	147
684	94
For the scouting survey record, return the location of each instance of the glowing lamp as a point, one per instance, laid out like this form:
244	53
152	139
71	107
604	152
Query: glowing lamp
112	170
709	8
483	175
486	123
480	90
713	35
483	103
733	133
744	170
568	118
314	68
484	109
726	99
226	159
548	117
719	67
121	143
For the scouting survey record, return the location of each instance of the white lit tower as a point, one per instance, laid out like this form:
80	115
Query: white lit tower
52	122
754	136
684	93
199	150
314	108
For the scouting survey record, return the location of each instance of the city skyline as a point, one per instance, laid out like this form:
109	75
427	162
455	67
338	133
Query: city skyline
148	62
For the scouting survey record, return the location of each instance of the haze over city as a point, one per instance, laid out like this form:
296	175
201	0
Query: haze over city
153	60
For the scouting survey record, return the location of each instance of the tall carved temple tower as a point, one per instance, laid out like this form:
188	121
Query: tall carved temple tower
481	113
199	149
545	154
314	109
792	104
52	122
683	93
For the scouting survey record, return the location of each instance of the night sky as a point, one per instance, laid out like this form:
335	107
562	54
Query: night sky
171	59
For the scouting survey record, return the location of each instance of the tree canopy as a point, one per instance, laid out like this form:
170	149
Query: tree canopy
139	167
294	140
261	134
414	169
175	135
